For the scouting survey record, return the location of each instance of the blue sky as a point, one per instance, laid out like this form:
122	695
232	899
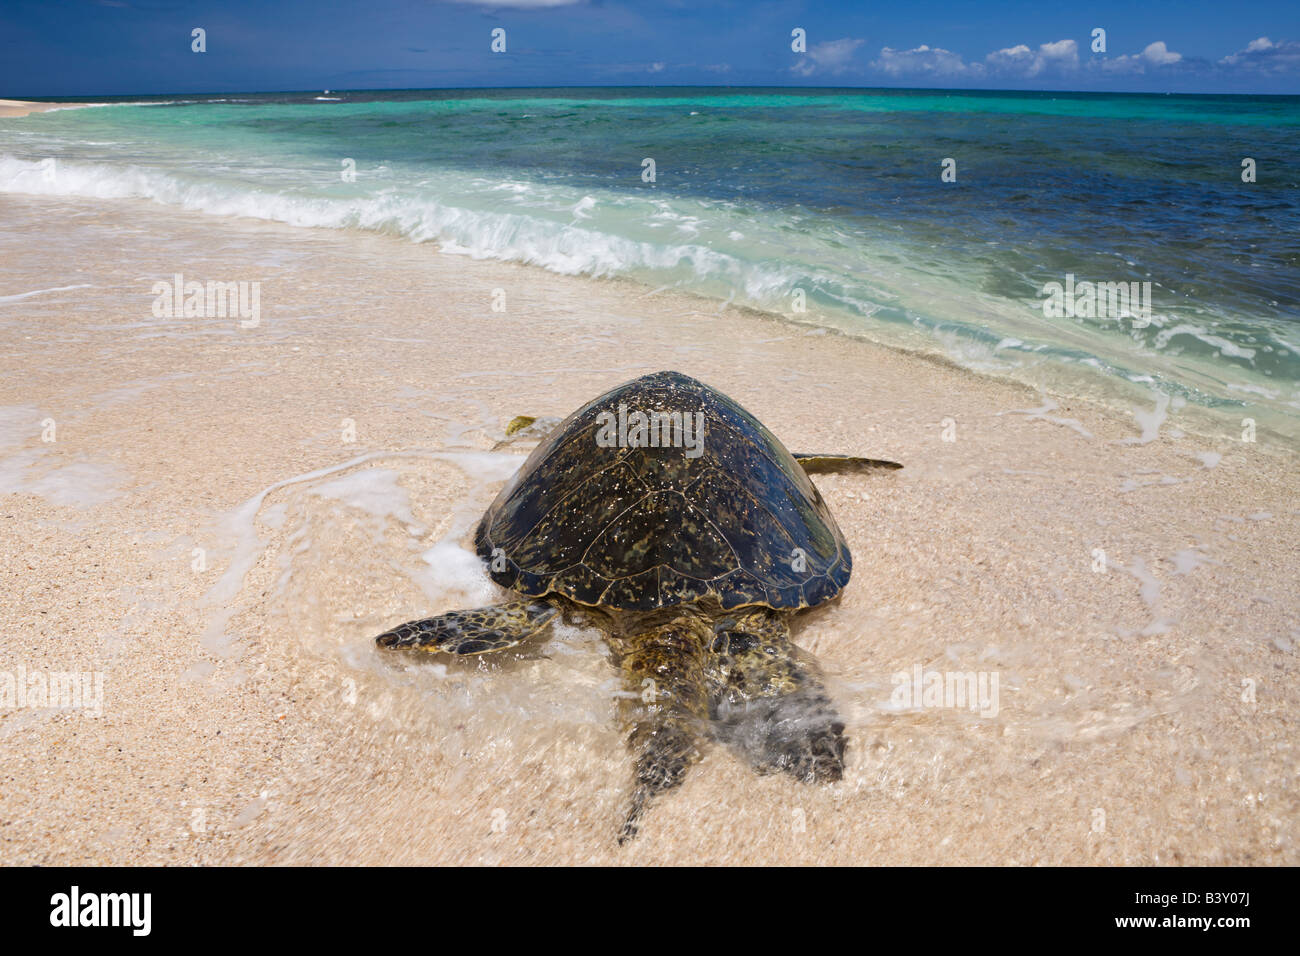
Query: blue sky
107	47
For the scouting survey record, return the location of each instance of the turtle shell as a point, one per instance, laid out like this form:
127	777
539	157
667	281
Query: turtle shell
608	513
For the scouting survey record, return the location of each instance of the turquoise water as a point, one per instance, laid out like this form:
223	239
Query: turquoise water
762	196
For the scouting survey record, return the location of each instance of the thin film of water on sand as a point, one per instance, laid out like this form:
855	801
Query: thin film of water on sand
353	548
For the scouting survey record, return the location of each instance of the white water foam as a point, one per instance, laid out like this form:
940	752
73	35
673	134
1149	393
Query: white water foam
1149	422
27	295
374	491
527	237
1042	414
370	492
80	484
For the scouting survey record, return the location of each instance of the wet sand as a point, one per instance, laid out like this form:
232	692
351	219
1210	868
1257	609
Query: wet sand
226	516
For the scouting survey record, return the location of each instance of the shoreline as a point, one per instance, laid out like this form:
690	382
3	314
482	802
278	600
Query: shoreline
1228	357
209	533
1064	383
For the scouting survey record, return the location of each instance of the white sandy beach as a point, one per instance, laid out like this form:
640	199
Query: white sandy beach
226	516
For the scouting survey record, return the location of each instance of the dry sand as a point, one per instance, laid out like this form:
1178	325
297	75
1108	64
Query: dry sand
10	109
196	534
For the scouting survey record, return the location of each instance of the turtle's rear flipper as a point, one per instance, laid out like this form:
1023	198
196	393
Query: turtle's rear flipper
818	464
768	703
475	631
668	715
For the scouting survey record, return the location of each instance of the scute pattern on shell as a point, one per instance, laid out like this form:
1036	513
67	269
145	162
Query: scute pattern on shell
644	528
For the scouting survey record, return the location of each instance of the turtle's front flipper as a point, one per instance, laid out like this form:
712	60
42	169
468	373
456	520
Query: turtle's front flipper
767	700
669	715
476	631
818	464
527	428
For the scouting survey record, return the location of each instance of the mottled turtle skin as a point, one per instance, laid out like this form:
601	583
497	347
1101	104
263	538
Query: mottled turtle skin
637	529
691	558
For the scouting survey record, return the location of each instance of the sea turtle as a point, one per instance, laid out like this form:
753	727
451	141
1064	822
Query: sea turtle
666	515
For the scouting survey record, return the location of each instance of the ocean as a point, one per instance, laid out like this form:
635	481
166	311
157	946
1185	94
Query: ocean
931	220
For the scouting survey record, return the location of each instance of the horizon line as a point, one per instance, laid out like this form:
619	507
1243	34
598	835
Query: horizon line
633	86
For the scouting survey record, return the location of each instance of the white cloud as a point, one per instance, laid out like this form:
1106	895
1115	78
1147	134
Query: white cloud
833	56
1154	55
924	60
1157	54
1058	59
656	67
1019	54
1265	55
1016	61
1061	56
